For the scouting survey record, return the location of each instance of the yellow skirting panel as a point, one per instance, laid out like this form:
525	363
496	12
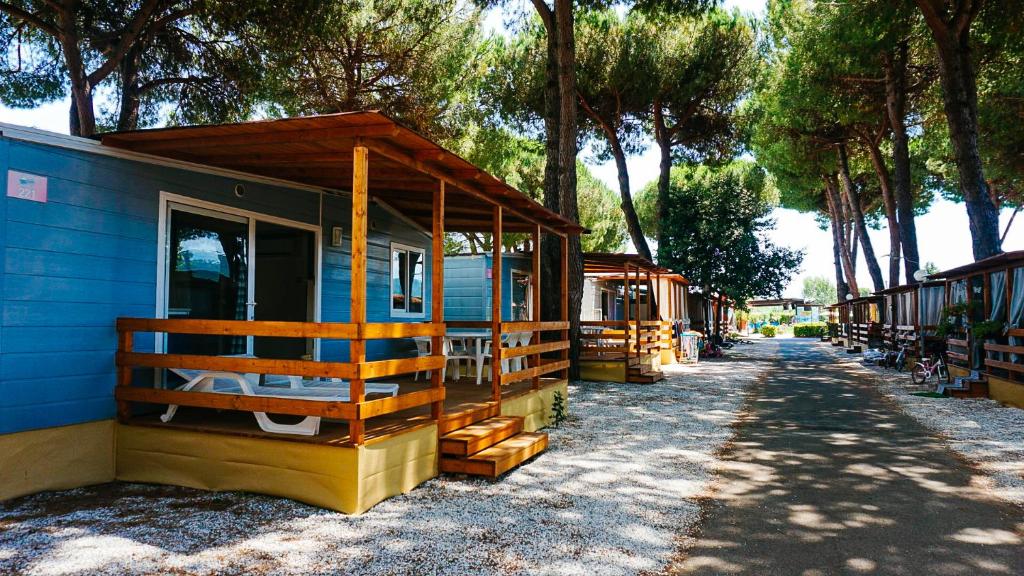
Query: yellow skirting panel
1006	391
956	372
349	480
535	406
668	357
601	371
56	458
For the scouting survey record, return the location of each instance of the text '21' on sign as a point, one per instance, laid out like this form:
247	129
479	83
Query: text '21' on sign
26	186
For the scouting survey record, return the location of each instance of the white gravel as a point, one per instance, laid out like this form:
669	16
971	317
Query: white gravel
616	493
985	432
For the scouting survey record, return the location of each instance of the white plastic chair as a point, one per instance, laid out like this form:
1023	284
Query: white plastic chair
524	340
486	358
250	385
457	350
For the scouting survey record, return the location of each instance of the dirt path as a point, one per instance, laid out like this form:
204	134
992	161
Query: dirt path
826	477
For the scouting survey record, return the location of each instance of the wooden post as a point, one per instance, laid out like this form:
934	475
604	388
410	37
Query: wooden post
496	351
357	346
564	298
437	294
535	311
125	344
636	285
626	311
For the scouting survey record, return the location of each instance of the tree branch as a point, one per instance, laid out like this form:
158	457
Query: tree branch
126	42
547	16
31	18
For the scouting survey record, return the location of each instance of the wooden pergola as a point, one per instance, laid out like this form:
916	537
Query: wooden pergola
367	156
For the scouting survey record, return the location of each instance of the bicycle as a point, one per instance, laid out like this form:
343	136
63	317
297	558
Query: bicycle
924	370
899	360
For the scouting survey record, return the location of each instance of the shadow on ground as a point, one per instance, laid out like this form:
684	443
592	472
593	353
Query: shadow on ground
826	477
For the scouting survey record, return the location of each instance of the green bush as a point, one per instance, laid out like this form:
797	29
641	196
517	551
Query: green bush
768	331
810	330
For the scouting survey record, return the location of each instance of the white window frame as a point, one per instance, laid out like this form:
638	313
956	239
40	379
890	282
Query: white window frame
396	313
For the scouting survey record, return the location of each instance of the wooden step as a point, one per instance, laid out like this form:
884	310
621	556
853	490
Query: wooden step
467	417
975	389
500	458
645	378
483	434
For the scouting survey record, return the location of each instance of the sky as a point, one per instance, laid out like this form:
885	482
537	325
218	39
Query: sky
943	235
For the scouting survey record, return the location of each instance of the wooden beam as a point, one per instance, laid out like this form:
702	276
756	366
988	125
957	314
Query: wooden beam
429	155
319	135
216	400
564	299
398	155
357	347
124	373
535	300
626	307
496	350
437	295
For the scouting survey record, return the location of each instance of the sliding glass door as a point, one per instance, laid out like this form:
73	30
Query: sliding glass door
208	277
220	265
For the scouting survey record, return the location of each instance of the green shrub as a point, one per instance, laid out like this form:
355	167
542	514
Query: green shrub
768	331
810	330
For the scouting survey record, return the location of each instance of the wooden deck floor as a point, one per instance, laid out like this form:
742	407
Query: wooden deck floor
463	401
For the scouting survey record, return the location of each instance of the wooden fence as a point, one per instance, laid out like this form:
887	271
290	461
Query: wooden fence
355	411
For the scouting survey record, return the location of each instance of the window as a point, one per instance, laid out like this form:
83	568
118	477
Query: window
522	296
406	280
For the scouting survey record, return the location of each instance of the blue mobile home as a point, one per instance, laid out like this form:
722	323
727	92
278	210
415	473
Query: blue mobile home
468	285
138	226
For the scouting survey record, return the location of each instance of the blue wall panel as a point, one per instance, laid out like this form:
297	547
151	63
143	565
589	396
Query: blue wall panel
88	255
467	287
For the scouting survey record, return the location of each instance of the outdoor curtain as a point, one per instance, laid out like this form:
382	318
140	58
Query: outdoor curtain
930	302
1016	319
997	298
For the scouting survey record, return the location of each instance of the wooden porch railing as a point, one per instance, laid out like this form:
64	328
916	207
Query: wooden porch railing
1013	357
627	338
958	351
903	335
355	411
537	365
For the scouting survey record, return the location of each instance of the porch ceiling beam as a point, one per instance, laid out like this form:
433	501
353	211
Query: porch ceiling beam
398	155
154	144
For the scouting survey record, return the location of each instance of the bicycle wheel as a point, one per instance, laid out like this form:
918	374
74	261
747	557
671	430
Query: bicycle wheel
901	360
918	375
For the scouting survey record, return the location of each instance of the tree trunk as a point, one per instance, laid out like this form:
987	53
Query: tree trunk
636	233
837	258
890	210
960	101
551	276
853	198
664	169
896	104
567	150
835	205
128	115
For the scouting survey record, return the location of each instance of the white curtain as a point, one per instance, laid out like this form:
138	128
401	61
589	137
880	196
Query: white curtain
997	299
1016	319
930	300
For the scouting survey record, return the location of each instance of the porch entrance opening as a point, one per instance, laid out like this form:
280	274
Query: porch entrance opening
285	286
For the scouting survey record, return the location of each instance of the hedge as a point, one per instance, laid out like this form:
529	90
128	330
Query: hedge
810	330
768	331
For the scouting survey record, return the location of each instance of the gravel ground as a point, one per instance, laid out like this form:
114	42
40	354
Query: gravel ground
986	433
615	494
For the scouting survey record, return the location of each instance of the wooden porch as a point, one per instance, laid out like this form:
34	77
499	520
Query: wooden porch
633	349
464	403
430	189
